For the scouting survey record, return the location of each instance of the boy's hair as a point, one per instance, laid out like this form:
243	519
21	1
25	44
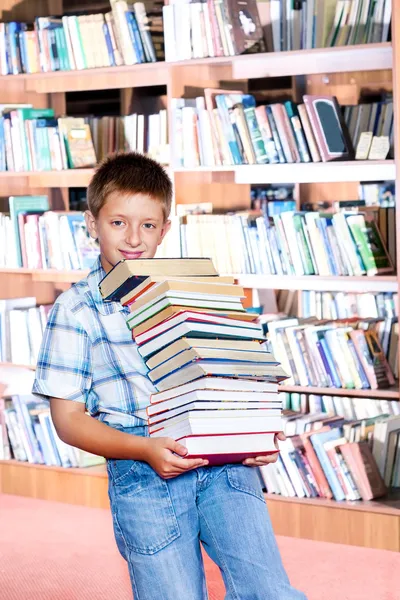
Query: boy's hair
130	173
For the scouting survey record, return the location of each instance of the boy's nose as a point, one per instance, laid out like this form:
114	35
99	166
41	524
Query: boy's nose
133	238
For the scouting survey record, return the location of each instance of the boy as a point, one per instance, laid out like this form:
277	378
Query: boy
162	504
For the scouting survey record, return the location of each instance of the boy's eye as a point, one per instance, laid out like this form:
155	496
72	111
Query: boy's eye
149	226
118	223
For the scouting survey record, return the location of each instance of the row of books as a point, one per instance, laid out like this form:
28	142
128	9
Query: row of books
353	353
34	237
227	128
313	24
333	458
340	305
290	243
147	134
22	325
350	408
216	382
370	127
34	140
122	36
378	194
212	28
27	434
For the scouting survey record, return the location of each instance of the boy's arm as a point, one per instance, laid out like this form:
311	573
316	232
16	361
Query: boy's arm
78	429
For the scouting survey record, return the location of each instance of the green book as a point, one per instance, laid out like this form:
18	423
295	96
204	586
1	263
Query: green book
25	114
369	244
25	205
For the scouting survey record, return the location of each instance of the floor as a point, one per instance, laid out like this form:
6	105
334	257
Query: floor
53	551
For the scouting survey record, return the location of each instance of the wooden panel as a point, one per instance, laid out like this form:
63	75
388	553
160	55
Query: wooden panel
27	10
335	524
19	285
85	487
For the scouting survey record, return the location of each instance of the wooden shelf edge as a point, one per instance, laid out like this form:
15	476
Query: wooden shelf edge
343	59
392	393
94	471
385	506
319	283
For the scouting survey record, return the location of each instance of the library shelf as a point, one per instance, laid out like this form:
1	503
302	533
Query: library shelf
17	366
328	172
374	524
47	275
342	59
391	393
319	283
365	57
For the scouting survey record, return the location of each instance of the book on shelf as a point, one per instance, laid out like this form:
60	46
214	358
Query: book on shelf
126	34
306	25
338	354
22	324
34	237
198	360
325	456
208	29
28	434
35	140
321	243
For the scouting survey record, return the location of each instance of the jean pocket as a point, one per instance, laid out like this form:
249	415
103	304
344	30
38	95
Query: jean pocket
142	508
245	479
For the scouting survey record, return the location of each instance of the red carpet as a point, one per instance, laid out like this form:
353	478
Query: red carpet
51	551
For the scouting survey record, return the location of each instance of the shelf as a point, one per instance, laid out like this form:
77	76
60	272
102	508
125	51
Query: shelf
47	275
319	283
343	171
366	57
385	506
391	393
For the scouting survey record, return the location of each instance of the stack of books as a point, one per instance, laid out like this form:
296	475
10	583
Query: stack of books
216	384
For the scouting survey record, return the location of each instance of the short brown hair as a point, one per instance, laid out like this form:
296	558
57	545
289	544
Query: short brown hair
129	172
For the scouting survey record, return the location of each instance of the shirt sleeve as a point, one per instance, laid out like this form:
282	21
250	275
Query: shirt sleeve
64	362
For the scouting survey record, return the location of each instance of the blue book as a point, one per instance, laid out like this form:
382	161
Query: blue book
135	36
13	29
322	225
107	37
318	440
2	146
224	106
329	361
275	134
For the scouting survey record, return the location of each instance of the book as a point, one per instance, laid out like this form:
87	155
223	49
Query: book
215	399
222	449
203	368
364	469
204	422
20	205
329	128
196	329
238	359
226	384
171	311
181	288
209	345
128	273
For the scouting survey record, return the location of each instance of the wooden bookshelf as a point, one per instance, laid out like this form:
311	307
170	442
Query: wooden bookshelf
366	57
391	393
341	71
371	524
319	283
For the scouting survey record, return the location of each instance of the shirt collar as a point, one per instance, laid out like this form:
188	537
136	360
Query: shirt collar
97	273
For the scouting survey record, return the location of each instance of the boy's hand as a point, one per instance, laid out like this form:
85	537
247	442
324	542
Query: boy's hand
259	461
161	456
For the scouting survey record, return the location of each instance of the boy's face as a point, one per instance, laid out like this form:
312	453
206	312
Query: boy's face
128	226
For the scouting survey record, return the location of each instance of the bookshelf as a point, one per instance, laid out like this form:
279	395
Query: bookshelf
341	71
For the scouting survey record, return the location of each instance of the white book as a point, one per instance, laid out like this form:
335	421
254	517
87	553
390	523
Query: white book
195	425
223	406
214	384
261	443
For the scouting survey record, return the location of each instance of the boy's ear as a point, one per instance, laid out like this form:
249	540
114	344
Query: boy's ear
164	231
91	224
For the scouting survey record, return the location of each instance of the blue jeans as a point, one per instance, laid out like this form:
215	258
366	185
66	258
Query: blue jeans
159	524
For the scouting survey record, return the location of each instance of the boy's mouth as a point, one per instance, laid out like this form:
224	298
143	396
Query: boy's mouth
131	255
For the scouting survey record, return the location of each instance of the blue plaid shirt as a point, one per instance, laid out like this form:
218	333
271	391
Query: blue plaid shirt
88	356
